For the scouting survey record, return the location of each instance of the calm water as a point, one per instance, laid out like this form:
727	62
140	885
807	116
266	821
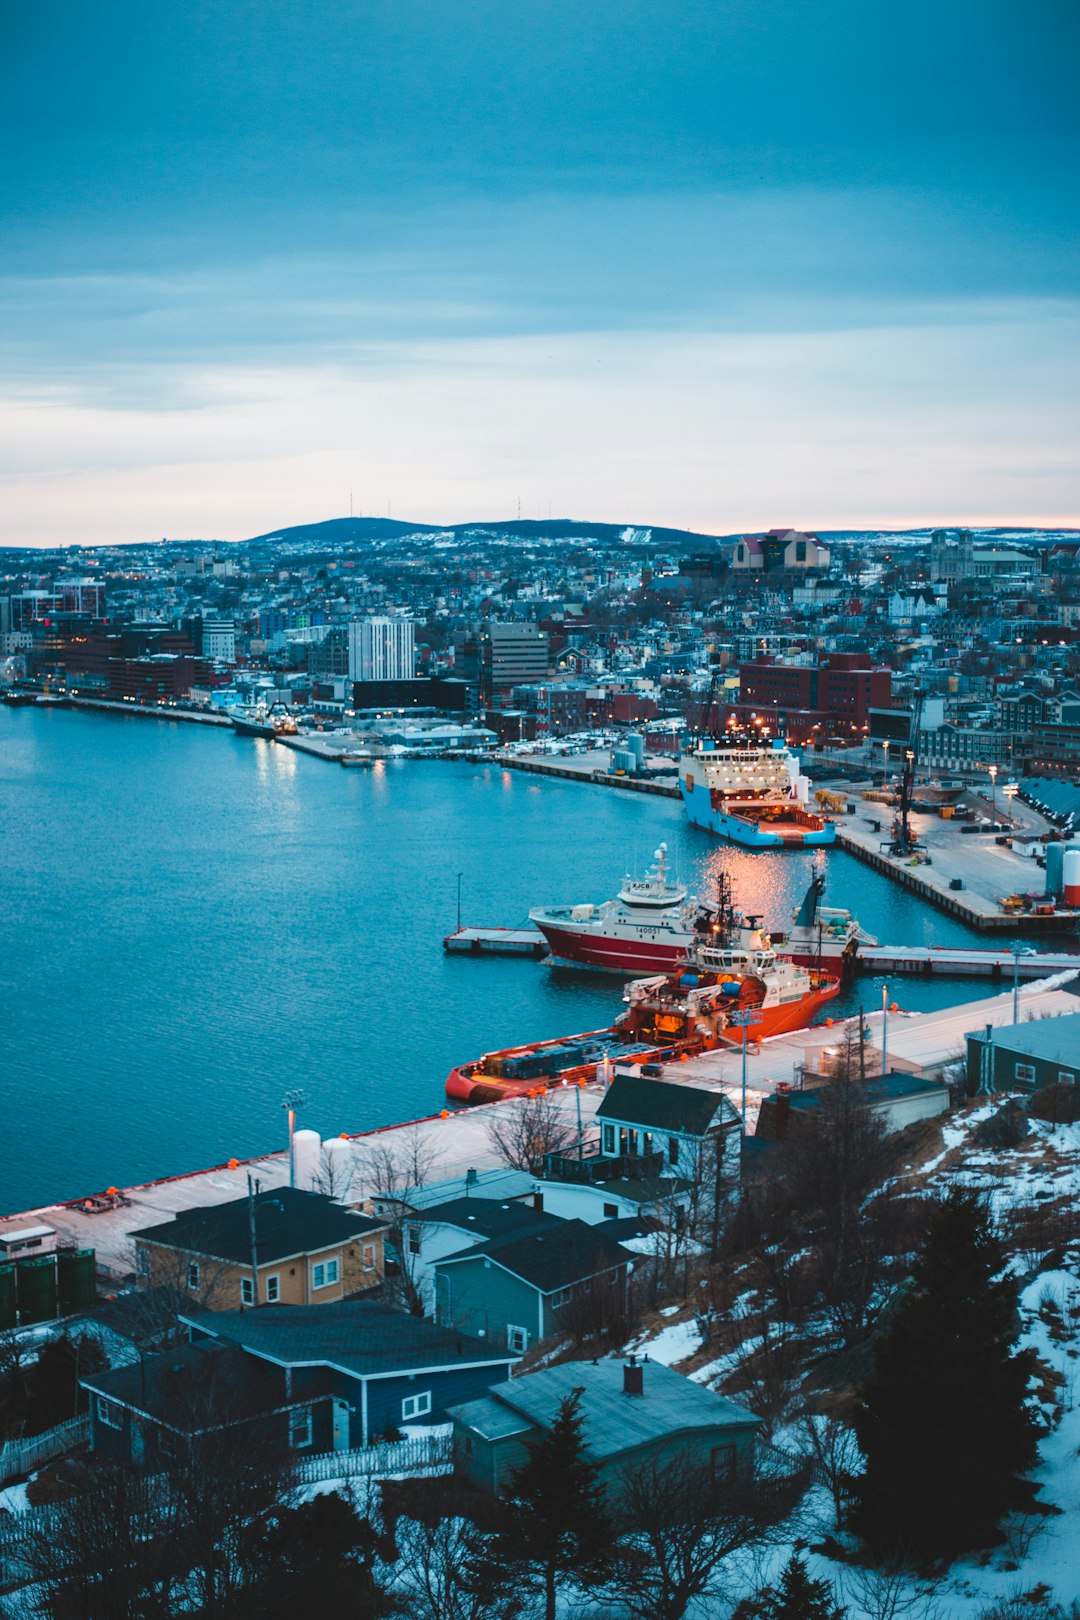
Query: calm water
195	923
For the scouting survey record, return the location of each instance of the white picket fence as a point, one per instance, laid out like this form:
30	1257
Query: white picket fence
18	1457
418	1455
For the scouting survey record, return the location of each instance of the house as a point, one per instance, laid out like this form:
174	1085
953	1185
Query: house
284	1247
523	1287
672	1127
499	1183
1025	1057
897	1098
780	548
310	1378
632	1415
439	1230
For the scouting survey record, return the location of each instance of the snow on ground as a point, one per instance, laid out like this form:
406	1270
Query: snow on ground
674	1343
13	1498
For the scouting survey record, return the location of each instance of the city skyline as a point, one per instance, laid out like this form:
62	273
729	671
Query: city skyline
754	265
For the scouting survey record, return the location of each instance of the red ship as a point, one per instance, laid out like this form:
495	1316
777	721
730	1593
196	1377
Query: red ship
690	1010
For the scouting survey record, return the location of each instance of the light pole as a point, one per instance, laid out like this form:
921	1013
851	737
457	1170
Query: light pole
291	1101
1009	792
885	762
993	769
884	1027
459	902
742	1020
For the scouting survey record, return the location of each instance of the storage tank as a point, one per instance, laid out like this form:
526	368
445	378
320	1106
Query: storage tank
7	1297
1055	874
635	744
76	1280
340	1168
307	1159
1071	878
35	1282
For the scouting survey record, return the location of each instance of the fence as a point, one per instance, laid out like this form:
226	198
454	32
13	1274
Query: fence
420	1454
18	1457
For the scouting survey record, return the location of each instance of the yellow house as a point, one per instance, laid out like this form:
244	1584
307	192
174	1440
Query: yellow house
284	1247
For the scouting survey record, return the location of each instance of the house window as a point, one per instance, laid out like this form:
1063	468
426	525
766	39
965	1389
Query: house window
144	1262
1066	1077
722	1462
109	1413
517	1340
324	1273
673	1150
193	1274
563	1297
300	1427
414	1406
610	1211
1025	1074
413	1239
367	1257
247	1291
609	1139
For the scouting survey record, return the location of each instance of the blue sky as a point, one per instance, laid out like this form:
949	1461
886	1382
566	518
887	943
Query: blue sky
723	265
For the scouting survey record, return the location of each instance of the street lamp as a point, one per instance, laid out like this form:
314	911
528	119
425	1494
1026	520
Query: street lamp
884	1027
885	761
993	769
291	1101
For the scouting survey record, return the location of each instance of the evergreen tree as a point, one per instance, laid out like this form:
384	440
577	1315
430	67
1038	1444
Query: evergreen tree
555	1524
942	1420
796	1597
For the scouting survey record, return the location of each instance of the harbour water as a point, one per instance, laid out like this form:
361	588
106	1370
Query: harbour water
196	923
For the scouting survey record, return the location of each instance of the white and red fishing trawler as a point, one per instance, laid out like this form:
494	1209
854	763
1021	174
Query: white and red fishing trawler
647	928
653	922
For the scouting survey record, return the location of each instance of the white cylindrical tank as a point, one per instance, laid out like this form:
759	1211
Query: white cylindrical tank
339	1168
307	1159
1071	876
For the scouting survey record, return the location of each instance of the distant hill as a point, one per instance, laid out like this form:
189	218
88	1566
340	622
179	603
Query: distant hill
360	529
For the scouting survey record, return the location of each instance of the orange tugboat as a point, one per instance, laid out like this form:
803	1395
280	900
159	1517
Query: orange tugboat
690	1010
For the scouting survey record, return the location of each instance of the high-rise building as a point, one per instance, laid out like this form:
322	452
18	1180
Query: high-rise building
382	649
219	640
501	656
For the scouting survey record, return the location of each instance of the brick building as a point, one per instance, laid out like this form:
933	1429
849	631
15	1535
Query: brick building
830	698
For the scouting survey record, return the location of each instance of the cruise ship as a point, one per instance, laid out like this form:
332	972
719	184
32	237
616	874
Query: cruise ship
751	792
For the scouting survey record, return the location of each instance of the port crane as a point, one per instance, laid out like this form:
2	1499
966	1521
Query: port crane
903	840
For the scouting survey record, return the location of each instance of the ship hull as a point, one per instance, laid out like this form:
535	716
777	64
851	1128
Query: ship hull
573	947
778	834
253	728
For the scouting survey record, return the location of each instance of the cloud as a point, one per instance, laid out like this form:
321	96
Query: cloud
951	420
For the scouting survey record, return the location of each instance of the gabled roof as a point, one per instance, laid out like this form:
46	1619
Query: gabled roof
486	1217
287	1222
612	1422
564	1253
658	1105
193	1386
363	1339
498	1183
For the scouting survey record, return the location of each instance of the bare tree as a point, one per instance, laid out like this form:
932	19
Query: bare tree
106	1553
524	1129
335	1175
444	1567
684	1520
397	1166
831	1447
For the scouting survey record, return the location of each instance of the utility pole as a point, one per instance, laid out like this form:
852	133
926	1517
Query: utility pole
253	1192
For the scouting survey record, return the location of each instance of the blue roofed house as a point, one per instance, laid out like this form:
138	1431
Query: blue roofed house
438	1230
316	1378
632	1415
519	1288
689	1128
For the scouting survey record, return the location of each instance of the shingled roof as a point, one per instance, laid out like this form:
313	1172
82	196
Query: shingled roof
560	1255
658	1105
287	1222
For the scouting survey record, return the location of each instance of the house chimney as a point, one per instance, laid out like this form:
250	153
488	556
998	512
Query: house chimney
633	1377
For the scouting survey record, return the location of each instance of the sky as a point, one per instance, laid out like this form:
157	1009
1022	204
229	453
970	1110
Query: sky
720	264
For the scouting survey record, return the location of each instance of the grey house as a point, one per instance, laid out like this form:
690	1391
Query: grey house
1023	1057
631	1415
514	1290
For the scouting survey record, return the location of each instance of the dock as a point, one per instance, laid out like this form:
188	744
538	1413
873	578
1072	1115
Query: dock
594	768
987	871
962	961
496	942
